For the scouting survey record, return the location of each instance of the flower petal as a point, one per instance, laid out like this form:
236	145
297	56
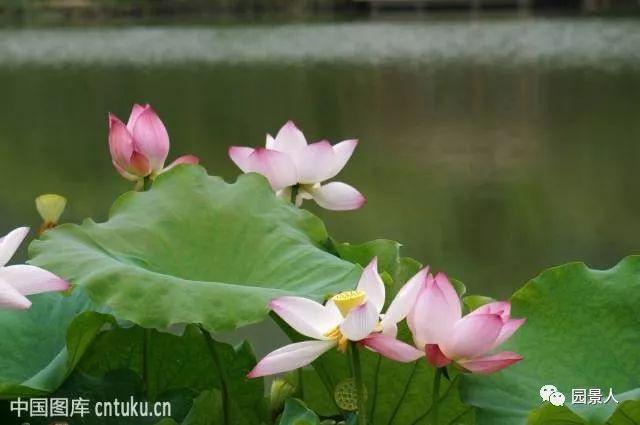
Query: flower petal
29	280
435	356
136	110
120	143
314	162
405	298
139	165
442	283
392	348
490	364
125	173
360	322
290	357
343	152
306	316
184	159
289	139
270	142
11	299
503	308
151	138
508	329
276	166
433	316
240	156
333	309
389	328
10	243
371	284
473	336
337	196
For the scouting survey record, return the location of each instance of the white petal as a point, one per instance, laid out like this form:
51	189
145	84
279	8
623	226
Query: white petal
406	298
360	322
32	280
371	284
331	306
290	357
306	316
276	166
240	155
270	142
389	328
302	196
337	196
11	299
314	162
289	139
10	243
343	152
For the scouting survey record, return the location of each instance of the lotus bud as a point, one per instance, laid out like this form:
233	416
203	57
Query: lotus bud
281	389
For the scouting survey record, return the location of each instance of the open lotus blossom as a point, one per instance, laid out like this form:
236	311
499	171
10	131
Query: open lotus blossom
19	280
444	336
348	316
290	164
140	148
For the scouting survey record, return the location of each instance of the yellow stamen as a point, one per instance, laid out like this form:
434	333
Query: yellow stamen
347	300
341	340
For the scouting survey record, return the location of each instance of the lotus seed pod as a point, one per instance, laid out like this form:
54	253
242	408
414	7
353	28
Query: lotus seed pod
50	207
346	395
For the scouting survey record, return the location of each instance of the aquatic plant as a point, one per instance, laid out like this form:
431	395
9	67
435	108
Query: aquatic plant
186	256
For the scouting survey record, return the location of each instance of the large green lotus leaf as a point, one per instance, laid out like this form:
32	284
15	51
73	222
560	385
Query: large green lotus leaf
122	385
195	249
40	347
582	331
627	412
190	361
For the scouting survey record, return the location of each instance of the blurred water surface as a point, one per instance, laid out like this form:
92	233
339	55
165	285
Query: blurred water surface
491	148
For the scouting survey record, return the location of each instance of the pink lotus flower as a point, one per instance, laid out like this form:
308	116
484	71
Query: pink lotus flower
444	336
140	148
348	316
289	162
20	280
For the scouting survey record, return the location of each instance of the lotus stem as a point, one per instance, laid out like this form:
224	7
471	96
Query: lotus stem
224	386
294	193
437	377
146	356
357	375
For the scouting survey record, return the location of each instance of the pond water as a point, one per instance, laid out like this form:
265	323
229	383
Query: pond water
492	148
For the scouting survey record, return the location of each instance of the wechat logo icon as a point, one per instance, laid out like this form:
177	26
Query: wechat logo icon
551	394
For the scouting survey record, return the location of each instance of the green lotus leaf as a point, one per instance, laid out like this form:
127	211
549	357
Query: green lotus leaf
195	249
582	332
41	346
207	410
191	361
297	413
